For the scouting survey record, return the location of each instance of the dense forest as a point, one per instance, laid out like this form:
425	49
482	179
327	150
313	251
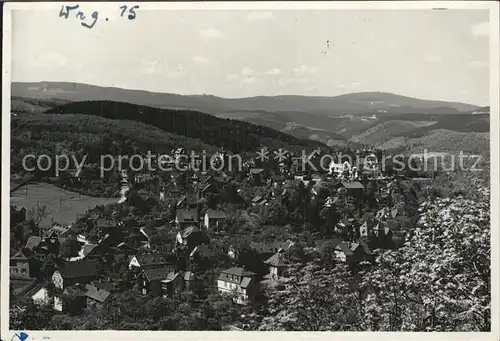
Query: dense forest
235	136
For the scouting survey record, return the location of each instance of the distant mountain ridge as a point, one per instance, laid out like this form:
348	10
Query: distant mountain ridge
351	119
364	102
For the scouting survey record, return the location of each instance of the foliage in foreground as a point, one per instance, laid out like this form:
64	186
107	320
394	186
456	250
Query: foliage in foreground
438	281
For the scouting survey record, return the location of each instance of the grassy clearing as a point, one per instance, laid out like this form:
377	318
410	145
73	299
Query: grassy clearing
62	206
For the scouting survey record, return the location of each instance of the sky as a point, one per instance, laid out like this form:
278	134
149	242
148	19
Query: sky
441	55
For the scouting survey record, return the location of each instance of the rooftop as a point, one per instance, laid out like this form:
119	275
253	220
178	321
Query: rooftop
150	259
256	170
157	274
238	271
276	260
33	242
96	293
187	215
76	269
215	214
352	185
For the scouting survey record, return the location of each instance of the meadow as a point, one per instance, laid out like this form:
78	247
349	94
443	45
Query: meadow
62	206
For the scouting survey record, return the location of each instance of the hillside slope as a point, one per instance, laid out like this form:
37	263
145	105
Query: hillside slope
441	140
50	134
479	123
389	129
453	141
236	136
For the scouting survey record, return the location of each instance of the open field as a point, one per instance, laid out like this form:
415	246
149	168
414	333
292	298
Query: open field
62	206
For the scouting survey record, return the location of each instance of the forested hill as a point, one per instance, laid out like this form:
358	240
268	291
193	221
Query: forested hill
236	136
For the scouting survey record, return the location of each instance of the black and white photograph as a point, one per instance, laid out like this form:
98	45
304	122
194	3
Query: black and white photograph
249	167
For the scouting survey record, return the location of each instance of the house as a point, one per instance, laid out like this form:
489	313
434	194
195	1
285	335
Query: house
56	231
73	174
299	177
60	230
354	189
147	261
147	232
202	257
33	242
150	280
203	189
71	301
90	251
267	250
17	214
370	164
124	249
204	178
103	224
192	281
144	178
39	294
174	283
385	213
363	230
350	253
162	194
234	329
355	174
240	282
259	201
317	178
96	296
82	271
187	202
40	249
257	175
19	266
277	180
214	219
316	189
369	255
338	168
383	234
192	237
178	154
106	286
326	247
111	239
332	200
277	264
186	217
204	251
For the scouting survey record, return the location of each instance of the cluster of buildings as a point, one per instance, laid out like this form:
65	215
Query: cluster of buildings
79	278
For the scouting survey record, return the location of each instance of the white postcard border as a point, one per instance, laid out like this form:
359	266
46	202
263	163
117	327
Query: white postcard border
492	6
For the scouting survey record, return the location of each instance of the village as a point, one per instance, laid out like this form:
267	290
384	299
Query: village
82	265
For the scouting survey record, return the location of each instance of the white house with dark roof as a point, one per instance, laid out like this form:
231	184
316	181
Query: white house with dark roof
239	282
213	218
339	168
276	264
